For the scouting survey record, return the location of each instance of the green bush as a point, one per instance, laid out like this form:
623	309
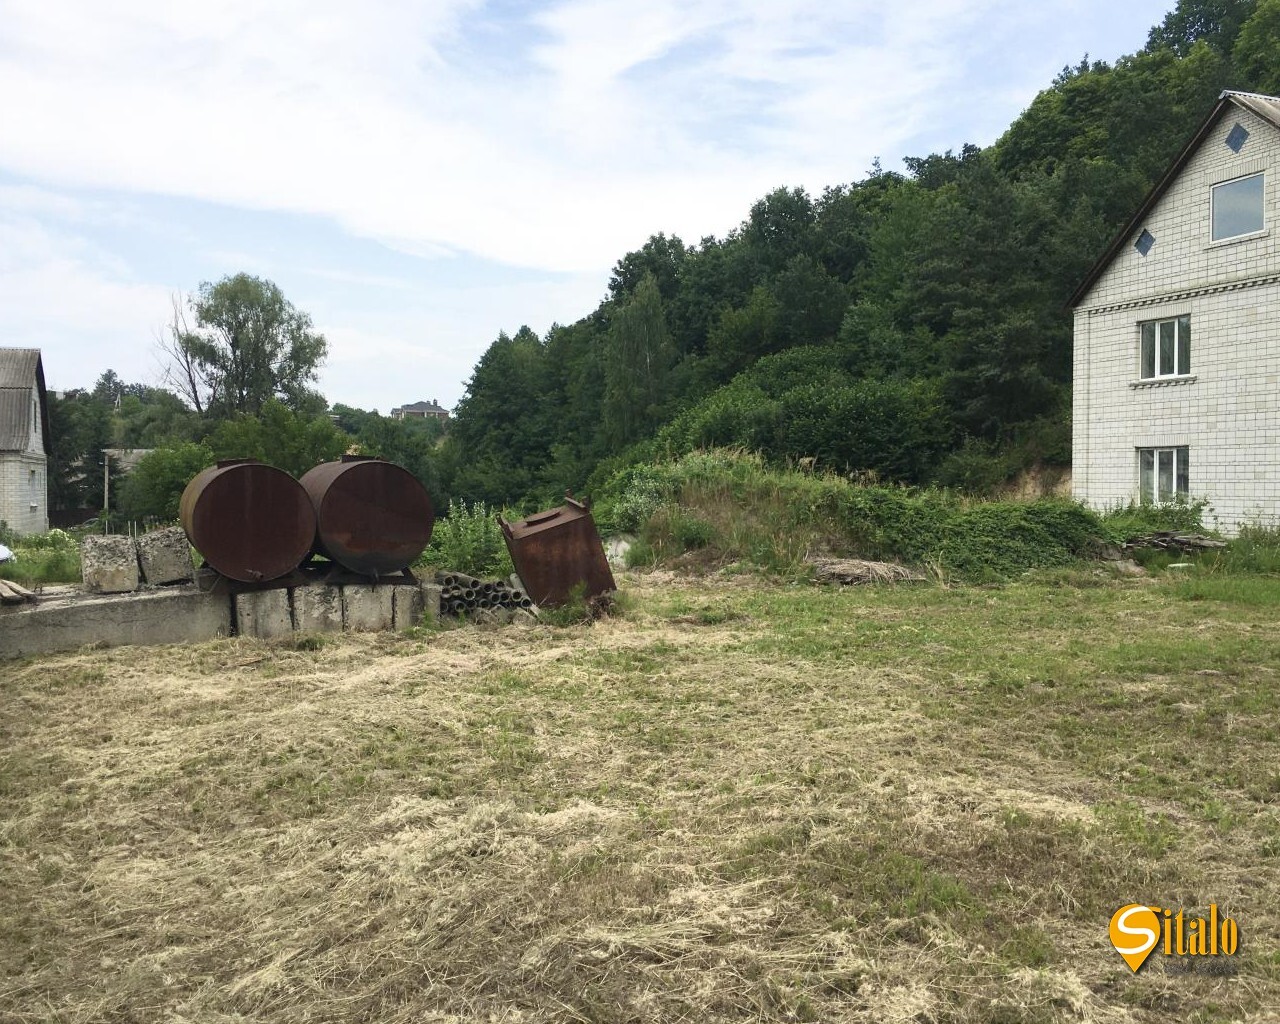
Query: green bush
739	508
469	540
52	557
1125	522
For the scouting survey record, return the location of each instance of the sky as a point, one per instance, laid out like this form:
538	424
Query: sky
419	175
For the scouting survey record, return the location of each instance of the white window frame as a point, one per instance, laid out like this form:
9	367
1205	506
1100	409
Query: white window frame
1213	198
1154	329
1151	472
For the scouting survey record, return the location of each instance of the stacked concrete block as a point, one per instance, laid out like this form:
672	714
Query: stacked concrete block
368	607
317	609
165	557
265	614
406	607
109	565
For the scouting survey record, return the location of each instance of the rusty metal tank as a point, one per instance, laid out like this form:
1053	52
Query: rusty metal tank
372	516
250	521
558	550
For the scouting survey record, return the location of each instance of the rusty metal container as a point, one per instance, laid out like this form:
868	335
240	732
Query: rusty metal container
372	516
250	521
558	550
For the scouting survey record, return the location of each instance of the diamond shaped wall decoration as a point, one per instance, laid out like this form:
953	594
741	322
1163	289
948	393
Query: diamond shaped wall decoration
1237	137
1145	241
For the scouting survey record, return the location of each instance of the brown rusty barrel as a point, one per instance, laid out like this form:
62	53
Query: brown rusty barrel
372	516
250	521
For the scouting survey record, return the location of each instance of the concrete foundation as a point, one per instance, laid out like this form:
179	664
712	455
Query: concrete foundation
367	607
165	557
317	609
109	565
175	615
265	614
184	614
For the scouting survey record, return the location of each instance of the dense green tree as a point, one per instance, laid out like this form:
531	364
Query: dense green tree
638	358
79	428
249	345
1216	22
1257	49
280	437
154	486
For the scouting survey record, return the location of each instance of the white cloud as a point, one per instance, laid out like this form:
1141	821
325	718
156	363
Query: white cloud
579	134
63	293
557	139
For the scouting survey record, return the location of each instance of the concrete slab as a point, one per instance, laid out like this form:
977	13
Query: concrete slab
406	607
431	600
165	556
67	623
367	607
264	613
317	609
109	565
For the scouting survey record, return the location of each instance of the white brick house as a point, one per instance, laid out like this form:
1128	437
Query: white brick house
1177	332
24	441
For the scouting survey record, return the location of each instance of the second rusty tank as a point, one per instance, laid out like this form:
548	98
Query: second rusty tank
250	521
372	516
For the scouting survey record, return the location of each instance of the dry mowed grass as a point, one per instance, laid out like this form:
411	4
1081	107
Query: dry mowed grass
738	800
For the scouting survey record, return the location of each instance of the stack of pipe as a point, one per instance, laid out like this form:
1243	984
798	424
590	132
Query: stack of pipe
461	594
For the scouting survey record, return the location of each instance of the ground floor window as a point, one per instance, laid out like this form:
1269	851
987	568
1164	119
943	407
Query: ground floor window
1162	474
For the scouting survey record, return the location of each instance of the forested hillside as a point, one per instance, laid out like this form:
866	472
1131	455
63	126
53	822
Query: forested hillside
911	326
906	327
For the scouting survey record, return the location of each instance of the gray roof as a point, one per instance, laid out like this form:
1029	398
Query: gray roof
1266	107
20	373
18	367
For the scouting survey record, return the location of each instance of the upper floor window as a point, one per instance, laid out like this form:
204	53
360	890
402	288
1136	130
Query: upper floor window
1166	348
1236	208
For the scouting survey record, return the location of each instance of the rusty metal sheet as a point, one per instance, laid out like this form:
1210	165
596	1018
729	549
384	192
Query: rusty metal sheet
372	516
250	521
557	550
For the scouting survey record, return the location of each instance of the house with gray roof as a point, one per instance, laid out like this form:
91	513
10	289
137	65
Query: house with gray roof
431	410
1177	332
24	441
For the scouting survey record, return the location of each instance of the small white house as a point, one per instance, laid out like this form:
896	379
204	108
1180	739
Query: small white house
1177	332
24	441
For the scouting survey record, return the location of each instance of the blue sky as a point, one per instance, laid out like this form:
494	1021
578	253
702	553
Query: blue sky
421	174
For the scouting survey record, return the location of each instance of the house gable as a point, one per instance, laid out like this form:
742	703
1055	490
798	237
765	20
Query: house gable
24	403
1176	215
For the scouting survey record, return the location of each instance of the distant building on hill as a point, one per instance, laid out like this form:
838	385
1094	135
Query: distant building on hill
1157	416
431	410
24	441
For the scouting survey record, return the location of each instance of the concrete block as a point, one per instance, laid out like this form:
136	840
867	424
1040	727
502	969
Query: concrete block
170	616
431	600
406	607
165	556
264	614
109	564
366	607
317	609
